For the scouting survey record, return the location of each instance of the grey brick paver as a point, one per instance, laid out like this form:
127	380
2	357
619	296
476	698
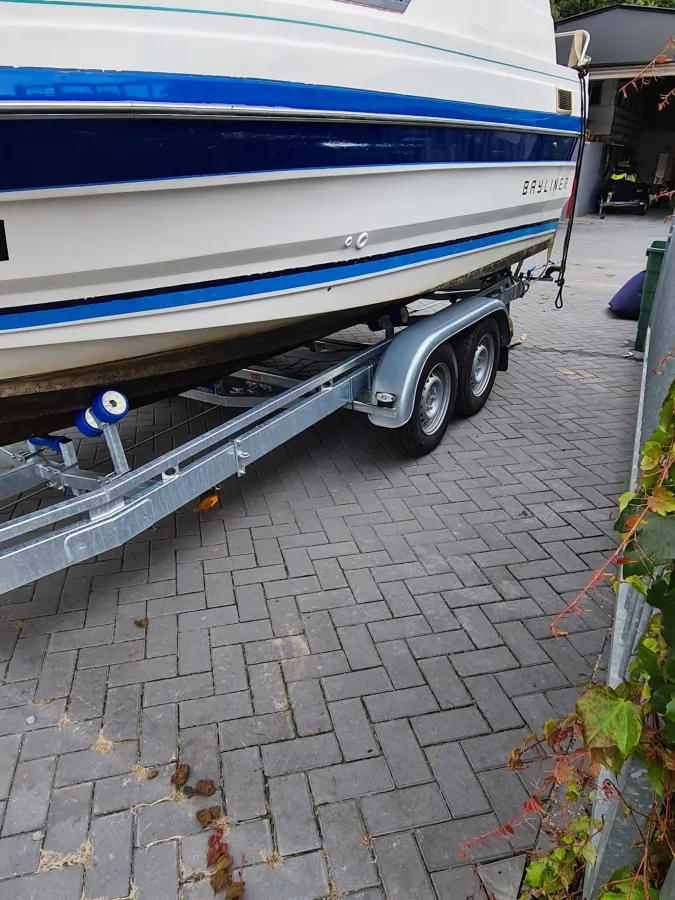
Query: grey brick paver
359	647
301	754
59	740
461	788
68	819
19	855
165	820
400	664
402	868
293	815
350	780
450	725
215	709
309	707
440	844
110	870
300	877
29	797
353	730
255	730
404	809
317	665
400	704
156	871
63	885
267	688
493	702
243	781
88	765
351	862
159	734
335	580
447	688
406	760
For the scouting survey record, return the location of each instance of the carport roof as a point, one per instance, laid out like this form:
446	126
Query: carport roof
623	36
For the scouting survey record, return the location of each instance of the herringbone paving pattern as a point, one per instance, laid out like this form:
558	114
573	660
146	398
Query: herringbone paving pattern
350	646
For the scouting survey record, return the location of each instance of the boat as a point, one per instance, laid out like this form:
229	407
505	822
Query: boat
188	187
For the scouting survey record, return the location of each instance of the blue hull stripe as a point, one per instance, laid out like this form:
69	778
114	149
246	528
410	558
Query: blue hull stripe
78	311
26	85
63	152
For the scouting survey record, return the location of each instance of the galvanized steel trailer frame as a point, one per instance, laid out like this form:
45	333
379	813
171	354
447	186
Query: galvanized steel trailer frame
105	511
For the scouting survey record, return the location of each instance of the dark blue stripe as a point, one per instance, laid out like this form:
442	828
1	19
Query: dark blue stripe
54	314
26	85
55	152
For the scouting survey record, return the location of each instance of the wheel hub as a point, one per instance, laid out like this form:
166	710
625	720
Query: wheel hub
482	365
435	398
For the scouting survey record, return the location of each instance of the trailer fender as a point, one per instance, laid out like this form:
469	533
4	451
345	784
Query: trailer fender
398	371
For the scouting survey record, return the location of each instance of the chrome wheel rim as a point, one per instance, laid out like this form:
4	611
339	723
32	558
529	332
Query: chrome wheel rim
435	398
482	365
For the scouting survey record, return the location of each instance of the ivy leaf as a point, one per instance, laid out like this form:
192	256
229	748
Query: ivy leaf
548	728
661	697
628	515
218	881
659	593
536	873
626	885
581	826
625	499
651	456
656	539
589	853
668	626
666	413
661	501
657	776
670	709
607	721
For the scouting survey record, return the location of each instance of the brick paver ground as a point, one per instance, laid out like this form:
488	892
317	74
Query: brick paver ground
350	646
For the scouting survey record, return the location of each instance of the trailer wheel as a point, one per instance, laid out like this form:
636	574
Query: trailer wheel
477	352
434	405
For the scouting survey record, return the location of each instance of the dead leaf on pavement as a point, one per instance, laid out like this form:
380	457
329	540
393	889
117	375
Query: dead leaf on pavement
224	863
141	623
235	891
206	816
214	853
273	860
218	881
205	787
181	775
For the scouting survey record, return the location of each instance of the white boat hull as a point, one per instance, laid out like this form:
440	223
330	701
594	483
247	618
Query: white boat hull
311	159
208	232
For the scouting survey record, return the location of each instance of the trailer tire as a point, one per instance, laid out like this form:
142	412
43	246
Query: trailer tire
434	405
478	351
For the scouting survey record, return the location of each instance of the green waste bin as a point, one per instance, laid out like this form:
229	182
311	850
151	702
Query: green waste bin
654	261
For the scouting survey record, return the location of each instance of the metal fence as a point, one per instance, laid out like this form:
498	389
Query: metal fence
615	843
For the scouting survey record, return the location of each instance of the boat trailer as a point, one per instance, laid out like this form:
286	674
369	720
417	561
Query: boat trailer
397	382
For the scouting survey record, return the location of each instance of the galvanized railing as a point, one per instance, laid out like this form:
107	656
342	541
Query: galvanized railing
616	842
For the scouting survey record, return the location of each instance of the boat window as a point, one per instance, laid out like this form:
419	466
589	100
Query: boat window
392	5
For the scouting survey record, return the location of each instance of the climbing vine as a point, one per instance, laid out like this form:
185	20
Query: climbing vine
609	726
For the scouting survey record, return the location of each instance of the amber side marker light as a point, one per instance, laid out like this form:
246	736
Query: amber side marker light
209	500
